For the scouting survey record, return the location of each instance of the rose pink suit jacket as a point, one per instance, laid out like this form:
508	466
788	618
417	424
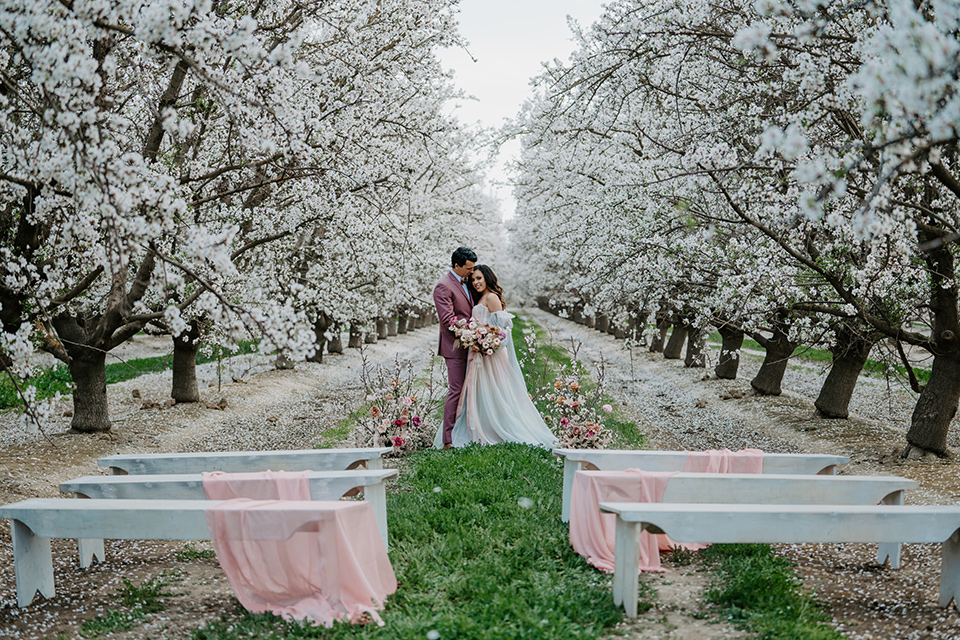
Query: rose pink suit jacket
452	304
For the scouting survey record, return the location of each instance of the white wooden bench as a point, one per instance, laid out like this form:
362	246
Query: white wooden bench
621	459
766	523
38	520
245	461
324	485
765	488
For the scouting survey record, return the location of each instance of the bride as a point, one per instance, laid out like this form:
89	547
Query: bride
494	406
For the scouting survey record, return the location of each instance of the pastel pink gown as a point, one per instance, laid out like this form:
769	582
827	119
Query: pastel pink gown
494	406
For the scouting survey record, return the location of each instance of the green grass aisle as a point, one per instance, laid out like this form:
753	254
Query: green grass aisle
479	552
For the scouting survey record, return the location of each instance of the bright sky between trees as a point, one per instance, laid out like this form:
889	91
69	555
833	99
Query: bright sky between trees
509	39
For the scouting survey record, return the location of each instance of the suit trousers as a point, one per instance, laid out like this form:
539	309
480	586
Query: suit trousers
456	372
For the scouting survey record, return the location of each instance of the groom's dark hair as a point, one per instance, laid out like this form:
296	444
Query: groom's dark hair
461	256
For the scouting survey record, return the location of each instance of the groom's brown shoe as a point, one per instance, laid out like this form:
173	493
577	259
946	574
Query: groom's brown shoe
446	446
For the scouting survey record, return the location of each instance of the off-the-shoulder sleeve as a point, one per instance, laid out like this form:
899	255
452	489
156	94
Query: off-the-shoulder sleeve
502	319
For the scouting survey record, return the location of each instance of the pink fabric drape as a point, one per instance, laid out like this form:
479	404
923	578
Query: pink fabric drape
592	533
294	557
725	461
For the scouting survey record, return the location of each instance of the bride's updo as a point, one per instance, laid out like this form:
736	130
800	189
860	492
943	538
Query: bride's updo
491	281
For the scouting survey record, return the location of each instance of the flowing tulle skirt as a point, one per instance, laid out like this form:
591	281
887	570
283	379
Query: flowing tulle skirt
494	406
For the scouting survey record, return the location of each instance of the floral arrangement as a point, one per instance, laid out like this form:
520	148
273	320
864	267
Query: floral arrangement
573	413
399	410
576	420
484	339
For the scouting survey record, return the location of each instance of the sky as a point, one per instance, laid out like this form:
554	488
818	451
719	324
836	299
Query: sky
508	41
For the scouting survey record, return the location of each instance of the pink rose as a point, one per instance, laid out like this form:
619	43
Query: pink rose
416	420
398	442
607	408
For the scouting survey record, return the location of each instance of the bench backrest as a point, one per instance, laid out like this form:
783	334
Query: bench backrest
782	489
765	523
244	461
621	459
149	519
324	485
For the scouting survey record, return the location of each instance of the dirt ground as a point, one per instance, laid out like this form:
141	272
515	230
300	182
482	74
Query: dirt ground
677	408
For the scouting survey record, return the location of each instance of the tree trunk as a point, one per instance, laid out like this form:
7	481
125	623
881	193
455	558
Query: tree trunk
850	353
392	326
320	327
356	336
402	324
590	322
936	406
695	357
185	348
602	323
381	329
335	345
663	325
778	351
576	314
370	337
729	361
88	370
638	327
283	363
674	347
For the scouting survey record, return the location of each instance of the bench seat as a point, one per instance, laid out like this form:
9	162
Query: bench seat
38	520
324	485
621	459
246	461
767	523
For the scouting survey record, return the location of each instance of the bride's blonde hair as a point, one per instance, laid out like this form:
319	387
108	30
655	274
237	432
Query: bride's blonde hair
491	281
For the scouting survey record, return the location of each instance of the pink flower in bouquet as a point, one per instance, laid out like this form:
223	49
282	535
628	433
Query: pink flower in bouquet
607	408
564	422
574	386
416	421
398	442
398	423
407	401
375	412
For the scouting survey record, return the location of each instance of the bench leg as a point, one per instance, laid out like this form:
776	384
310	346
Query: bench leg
626	561
950	572
829	470
570	467
33	564
891	550
91	550
376	495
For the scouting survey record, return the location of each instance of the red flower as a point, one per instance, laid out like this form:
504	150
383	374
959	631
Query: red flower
398	441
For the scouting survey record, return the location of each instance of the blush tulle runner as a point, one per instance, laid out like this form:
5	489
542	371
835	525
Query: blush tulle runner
592	533
333	567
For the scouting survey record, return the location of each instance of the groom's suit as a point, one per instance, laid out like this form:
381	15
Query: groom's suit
452	304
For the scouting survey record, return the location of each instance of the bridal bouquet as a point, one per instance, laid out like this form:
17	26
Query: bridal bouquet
482	338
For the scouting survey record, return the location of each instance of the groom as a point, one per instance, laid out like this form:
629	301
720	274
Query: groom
453	300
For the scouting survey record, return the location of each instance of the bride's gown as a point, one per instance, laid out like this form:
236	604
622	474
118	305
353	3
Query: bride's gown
494	406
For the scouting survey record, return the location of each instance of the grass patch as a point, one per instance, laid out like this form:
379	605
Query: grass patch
189	552
138	602
479	552
759	591
341	431
58	379
540	367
